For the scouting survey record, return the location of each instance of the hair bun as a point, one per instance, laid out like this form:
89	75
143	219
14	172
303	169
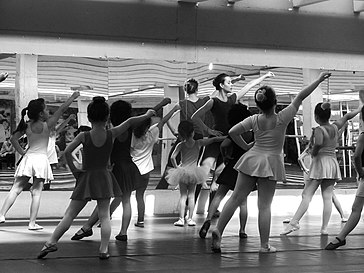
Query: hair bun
260	95
98	99
325	105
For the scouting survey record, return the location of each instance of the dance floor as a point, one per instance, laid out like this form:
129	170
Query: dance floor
161	247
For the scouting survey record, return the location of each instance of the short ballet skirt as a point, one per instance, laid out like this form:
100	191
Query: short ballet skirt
259	164
96	184
187	175
34	165
126	174
325	167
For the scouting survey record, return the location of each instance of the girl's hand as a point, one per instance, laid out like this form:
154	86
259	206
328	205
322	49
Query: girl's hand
324	75
214	132
269	75
72	117
151	113
3	76
251	144
213	187
75	94
77	172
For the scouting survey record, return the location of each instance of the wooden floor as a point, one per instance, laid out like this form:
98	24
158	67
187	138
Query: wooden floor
161	247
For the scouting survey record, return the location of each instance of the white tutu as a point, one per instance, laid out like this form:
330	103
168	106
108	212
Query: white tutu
186	175
34	165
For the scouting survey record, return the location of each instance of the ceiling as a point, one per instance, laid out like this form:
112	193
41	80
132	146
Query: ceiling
147	44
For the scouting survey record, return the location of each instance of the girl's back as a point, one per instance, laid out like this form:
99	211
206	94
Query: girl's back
189	155
96	156
38	137
330	138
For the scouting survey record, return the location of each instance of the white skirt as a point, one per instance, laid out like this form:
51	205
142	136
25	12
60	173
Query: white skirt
186	175
34	165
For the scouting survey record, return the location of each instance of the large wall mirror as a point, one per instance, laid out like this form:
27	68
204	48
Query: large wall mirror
142	82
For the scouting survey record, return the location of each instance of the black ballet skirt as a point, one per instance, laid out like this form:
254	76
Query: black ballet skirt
124	169
97	182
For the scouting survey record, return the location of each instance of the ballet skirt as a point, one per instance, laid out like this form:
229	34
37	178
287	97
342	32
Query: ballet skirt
188	172
325	164
265	158
229	175
35	162
97	181
190	175
124	169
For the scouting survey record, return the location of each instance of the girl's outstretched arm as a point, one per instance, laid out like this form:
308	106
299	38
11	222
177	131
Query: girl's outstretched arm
123	127
341	122
208	141
60	127
166	118
251	84
52	121
304	93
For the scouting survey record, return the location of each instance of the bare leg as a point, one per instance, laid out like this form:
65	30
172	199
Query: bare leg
338	207
182	200
36	192
125	199
266	189
16	189
220	194
71	213
140	203
327	187
140	196
104	216
353	218
307	194
244	185
243	217
191	199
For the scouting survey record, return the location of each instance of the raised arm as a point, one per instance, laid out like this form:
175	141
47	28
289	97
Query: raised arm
309	89
168	116
123	127
61	126
342	121
52	121
251	84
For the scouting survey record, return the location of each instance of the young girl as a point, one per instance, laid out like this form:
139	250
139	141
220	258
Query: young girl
142	143
358	204
227	179
324	169
35	162
263	164
124	169
95	181
187	174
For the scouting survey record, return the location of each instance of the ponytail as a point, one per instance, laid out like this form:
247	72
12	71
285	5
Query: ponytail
22	126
